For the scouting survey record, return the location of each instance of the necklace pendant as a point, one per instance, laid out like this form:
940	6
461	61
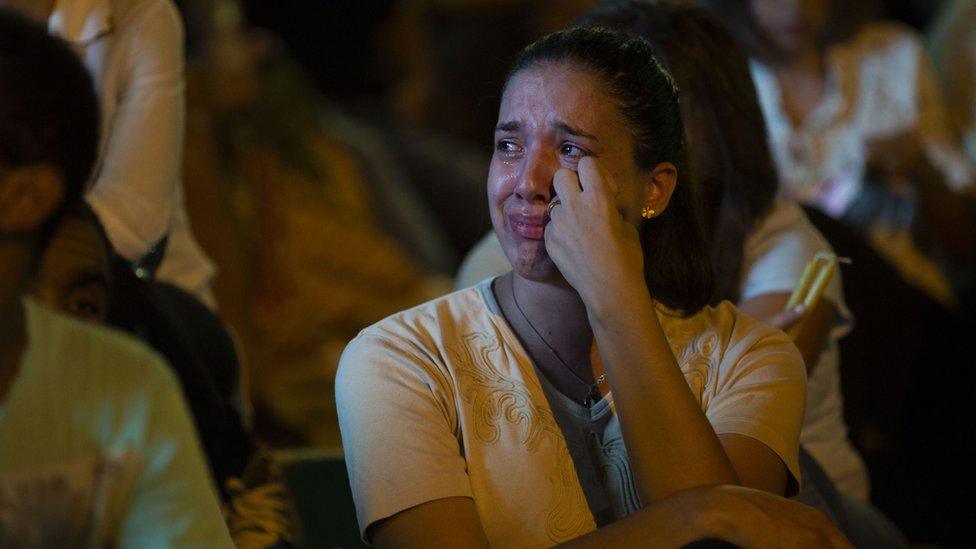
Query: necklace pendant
592	398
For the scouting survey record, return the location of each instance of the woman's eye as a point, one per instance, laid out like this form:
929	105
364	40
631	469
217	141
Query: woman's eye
568	149
86	305
504	145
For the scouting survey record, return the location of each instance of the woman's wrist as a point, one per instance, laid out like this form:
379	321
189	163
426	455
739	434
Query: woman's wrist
624	292
706	516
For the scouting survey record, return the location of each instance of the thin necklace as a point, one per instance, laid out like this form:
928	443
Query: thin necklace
594	394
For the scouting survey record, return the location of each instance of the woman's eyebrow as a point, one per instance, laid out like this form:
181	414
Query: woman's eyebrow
89	278
510	126
566	128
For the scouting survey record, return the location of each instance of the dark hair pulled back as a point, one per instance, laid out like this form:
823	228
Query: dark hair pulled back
735	177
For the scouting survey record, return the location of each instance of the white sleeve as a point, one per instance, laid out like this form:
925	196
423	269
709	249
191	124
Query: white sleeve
134	191
174	503
776	255
398	429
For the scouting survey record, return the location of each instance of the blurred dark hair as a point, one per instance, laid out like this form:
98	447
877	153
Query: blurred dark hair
844	19
48	108
676	265
734	174
334	40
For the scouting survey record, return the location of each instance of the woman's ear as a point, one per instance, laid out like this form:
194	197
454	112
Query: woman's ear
660	186
29	196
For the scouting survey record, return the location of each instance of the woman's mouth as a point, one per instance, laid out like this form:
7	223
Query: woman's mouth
530	227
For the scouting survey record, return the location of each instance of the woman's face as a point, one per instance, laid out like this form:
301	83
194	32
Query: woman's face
794	26
551	116
73	273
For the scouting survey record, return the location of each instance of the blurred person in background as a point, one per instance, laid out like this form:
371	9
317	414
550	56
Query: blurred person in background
952	41
857	128
79	275
134	51
317	238
96	445
380	95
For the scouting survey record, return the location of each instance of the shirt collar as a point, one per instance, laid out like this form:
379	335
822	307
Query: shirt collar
81	21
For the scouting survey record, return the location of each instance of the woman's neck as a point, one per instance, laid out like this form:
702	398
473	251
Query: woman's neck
802	81
555	312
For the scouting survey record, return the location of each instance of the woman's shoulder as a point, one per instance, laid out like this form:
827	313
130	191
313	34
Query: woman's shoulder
884	40
418	334
456	308
723	316
415	350
723	334
786	233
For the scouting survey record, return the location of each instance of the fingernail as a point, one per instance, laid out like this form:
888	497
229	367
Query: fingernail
799	309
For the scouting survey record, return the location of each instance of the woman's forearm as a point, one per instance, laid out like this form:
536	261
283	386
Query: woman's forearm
670	443
675	522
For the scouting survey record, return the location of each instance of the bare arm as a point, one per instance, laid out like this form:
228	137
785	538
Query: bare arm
670	442
749	518
453	522
136	188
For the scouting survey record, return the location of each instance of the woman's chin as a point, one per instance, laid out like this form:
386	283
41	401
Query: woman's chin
539	268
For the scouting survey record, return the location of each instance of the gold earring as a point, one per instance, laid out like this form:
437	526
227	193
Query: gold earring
647	213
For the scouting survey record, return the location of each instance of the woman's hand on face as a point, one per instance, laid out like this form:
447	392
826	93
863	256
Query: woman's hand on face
588	239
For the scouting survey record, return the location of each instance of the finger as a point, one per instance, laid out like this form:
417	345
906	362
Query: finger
594	179
566	184
551	234
788	318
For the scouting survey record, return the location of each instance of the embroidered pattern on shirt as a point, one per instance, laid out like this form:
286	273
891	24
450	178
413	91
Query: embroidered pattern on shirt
495	398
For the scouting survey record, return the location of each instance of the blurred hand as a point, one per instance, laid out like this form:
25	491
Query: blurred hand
901	154
787	319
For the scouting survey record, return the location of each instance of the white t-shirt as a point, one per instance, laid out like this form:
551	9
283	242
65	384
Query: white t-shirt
774	257
442	401
880	84
85	393
134	52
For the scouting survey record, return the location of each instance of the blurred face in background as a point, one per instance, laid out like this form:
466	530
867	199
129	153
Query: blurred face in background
74	273
793	26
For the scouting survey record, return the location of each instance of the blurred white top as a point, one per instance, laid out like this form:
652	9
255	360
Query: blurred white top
85	396
134	52
880	84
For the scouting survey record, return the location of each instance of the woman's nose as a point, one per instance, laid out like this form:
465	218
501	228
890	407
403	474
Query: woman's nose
535	180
